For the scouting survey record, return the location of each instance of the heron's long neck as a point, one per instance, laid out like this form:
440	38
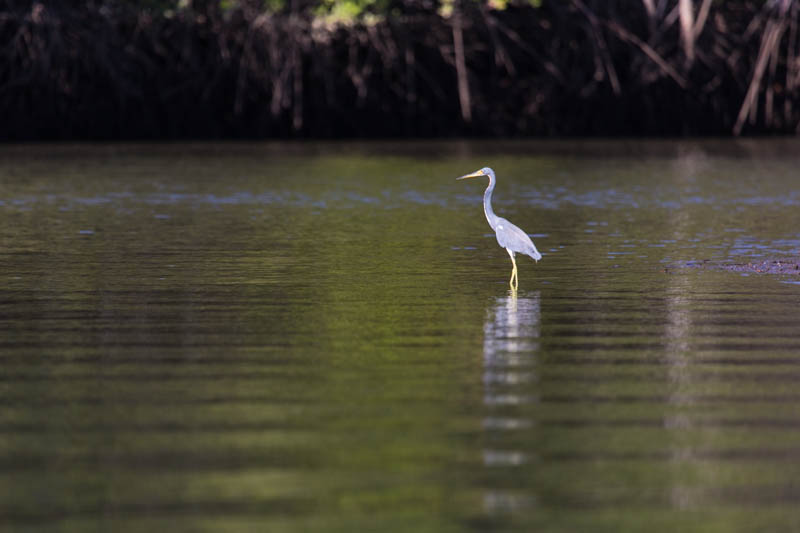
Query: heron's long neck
487	202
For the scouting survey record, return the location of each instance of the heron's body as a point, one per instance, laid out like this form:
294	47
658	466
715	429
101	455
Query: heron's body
509	236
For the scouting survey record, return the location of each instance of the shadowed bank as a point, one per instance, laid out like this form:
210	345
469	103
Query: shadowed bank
344	68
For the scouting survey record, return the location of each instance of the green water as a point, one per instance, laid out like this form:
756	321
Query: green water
321	337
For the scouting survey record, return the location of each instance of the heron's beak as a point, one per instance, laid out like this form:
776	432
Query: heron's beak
476	174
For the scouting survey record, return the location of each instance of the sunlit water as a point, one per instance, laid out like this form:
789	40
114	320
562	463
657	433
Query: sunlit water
294	337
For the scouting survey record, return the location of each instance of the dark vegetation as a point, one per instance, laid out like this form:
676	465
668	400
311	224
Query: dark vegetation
105	69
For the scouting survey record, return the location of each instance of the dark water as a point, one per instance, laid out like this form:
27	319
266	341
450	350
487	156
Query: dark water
321	337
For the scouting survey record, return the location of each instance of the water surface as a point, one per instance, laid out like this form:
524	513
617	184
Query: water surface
294	337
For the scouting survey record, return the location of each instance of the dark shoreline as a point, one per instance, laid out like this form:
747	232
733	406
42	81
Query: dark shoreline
111	71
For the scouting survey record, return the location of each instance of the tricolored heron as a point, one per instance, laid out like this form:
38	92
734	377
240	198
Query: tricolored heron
508	235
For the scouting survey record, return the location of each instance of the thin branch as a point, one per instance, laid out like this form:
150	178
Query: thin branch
625	35
461	68
687	26
769	42
702	16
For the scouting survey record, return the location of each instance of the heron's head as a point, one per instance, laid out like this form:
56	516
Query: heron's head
485	171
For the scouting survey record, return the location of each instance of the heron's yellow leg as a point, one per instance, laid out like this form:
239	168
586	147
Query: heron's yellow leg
514	281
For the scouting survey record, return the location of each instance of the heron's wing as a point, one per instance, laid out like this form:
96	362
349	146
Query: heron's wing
511	237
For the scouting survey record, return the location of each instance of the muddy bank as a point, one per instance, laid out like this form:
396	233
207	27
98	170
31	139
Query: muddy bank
783	266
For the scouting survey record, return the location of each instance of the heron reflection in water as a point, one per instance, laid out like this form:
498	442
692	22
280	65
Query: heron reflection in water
510	348
509	236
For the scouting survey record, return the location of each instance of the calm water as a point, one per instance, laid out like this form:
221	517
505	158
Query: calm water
297	337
